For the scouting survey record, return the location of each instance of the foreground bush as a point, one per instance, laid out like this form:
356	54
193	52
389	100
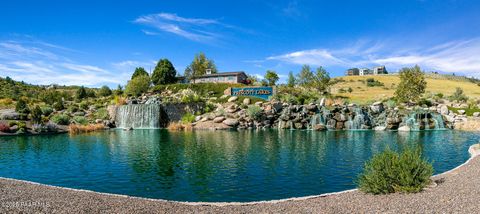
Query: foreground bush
390	172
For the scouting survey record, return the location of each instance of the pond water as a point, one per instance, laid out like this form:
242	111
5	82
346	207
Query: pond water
216	166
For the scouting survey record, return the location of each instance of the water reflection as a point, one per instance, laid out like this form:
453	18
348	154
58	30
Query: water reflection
216	166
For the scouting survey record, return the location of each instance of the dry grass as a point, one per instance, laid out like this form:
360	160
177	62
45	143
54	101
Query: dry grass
472	124
180	126
435	84
76	129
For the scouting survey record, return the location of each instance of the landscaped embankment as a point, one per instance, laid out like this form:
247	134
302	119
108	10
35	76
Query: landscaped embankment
457	192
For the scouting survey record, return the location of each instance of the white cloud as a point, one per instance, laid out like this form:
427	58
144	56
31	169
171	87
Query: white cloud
312	57
195	29
453	56
40	63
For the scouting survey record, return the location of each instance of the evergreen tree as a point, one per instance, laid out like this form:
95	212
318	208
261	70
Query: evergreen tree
81	93
291	80
164	73
139	71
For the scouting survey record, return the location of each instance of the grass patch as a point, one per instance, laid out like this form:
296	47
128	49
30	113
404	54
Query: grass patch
76	129
180	126
468	111
390	172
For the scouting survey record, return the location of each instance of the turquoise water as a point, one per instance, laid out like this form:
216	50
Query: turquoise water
216	166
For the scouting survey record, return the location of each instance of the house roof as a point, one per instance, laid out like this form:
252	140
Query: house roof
233	73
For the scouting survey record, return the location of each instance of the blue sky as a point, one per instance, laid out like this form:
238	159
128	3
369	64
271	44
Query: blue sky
94	43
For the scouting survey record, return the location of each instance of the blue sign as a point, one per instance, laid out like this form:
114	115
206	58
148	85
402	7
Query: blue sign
260	92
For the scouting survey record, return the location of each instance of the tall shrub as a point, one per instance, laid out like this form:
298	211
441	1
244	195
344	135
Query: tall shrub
412	84
390	172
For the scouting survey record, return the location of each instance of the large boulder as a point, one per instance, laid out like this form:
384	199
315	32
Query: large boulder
461	112
218	119
246	101
319	127
9	114
404	129
444	110
232	99
380	128
231	122
377	107
476	114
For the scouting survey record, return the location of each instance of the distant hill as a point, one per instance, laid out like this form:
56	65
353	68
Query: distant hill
436	83
13	89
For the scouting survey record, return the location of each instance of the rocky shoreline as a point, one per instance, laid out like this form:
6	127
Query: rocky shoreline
455	191
317	116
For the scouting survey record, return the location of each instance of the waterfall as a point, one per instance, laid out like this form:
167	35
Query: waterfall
138	116
357	121
321	118
425	121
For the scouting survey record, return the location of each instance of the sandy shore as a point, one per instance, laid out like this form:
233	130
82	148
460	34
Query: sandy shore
457	191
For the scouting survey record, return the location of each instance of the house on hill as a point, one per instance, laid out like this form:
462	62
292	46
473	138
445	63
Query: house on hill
221	77
366	71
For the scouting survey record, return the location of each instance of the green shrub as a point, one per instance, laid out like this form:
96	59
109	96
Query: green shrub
102	114
188	118
83	105
254	112
36	115
459	95
371	82
47	110
61	119
425	102
22	107
22	126
390	172
105	91
138	85
58	106
209	107
80	120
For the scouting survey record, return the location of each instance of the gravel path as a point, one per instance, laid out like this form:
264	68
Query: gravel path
457	192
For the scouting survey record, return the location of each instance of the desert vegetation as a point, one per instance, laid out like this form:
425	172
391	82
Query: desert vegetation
390	172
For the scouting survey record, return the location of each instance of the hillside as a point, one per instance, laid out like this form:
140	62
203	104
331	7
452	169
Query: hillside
436	83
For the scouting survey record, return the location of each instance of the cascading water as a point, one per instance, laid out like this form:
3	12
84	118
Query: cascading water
357	121
138	116
425	121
